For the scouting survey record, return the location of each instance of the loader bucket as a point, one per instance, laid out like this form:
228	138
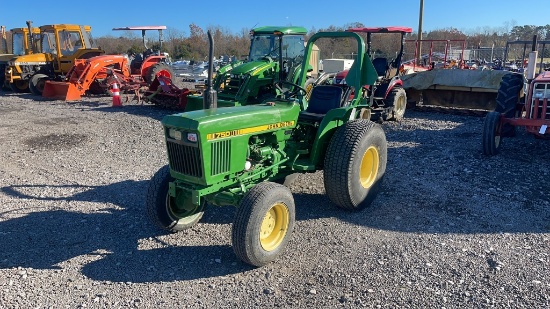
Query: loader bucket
61	91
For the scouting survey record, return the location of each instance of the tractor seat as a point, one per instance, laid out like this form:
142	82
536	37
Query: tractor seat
380	65
323	98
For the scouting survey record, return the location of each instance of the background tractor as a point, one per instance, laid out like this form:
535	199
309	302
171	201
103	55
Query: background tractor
276	53
150	63
513	109
243	155
20	45
388	98
60	45
99	73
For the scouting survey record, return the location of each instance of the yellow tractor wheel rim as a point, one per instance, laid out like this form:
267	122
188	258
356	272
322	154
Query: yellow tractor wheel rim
401	104
369	167
308	91
274	227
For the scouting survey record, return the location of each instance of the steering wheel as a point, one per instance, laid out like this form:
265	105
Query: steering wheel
272	54
298	90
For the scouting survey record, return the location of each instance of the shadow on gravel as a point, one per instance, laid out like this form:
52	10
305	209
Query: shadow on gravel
107	238
454	190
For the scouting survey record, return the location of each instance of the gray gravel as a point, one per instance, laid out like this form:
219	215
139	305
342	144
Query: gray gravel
451	229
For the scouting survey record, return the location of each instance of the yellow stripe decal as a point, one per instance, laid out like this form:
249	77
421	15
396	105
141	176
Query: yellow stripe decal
251	130
260	69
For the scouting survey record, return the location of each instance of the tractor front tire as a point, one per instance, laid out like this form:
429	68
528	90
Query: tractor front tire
263	223
37	84
162	208
160	68
491	134
355	164
5	86
397	100
19	86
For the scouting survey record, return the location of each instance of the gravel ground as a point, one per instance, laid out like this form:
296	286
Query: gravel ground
451	229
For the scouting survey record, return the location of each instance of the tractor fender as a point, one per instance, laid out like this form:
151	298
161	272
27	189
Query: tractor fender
148	63
332	120
395	82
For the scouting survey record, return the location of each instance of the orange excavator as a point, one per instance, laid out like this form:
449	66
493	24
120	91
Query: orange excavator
98	74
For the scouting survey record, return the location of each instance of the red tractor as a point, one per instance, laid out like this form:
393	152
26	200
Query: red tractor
99	73
513	110
388	98
150	63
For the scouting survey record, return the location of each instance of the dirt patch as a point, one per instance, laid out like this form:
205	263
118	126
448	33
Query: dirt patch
56	141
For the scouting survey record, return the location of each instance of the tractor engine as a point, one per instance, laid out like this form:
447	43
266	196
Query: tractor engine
261	152
245	142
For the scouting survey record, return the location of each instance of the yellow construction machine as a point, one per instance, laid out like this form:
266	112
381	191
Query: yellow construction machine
61	44
19	46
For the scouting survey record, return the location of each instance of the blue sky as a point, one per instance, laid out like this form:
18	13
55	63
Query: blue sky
234	16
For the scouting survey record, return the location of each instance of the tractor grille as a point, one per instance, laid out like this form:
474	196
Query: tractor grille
540	107
234	86
234	83
539	104
184	159
221	151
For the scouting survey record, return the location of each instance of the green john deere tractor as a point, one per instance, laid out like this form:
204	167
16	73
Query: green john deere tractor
242	155
275	53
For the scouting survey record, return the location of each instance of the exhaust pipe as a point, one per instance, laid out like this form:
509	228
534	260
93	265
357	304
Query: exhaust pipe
31	36
532	64
210	97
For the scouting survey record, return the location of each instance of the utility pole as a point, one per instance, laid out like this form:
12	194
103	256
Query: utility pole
419	45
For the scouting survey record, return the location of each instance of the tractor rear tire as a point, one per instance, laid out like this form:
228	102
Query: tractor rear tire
19	86
507	98
161	207
491	137
37	84
160	68
355	164
263	223
397	100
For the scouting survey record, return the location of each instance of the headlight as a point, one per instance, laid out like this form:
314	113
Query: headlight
175	134
192	137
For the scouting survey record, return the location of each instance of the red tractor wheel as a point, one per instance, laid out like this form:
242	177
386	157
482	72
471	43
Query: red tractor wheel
160	68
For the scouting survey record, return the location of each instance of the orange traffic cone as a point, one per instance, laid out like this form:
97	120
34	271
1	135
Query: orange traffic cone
116	96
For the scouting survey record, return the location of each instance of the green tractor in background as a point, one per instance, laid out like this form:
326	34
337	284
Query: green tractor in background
276	53
242	155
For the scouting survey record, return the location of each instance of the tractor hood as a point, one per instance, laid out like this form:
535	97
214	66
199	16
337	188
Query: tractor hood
227	119
6	57
32	59
253	67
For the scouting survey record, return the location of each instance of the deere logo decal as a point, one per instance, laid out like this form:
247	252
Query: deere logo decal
267	127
